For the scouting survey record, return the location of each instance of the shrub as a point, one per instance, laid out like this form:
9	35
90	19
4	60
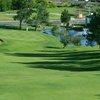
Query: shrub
66	4
52	5
76	41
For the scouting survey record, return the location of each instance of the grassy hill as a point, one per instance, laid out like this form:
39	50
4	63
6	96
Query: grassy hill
30	69
23	41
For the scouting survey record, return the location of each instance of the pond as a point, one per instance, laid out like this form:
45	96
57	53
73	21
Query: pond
73	33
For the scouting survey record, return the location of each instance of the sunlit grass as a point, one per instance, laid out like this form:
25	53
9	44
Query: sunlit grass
34	66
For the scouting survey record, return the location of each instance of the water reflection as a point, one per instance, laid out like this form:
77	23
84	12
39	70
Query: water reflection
74	33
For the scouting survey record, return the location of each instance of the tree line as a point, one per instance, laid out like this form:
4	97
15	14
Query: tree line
24	13
17	4
93	33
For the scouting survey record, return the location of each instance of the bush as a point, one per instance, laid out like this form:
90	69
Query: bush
66	4
76	41
77	28
5	5
52	5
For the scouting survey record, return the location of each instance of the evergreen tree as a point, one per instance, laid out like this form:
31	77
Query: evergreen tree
25	12
94	28
65	17
42	15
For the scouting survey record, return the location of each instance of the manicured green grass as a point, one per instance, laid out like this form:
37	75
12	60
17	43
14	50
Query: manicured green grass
52	16
7	15
16	40
4	17
31	69
56	10
60	9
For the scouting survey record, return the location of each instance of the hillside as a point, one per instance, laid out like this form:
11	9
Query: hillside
26	41
30	69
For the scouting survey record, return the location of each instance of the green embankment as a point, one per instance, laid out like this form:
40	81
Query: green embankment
30	69
23	41
54	13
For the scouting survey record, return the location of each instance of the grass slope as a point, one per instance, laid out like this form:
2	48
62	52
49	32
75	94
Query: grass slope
32	72
4	16
23	41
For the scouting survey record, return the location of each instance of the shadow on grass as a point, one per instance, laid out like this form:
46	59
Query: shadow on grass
60	66
51	47
67	61
98	95
9	27
14	28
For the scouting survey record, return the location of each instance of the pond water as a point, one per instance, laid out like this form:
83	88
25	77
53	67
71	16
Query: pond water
73	33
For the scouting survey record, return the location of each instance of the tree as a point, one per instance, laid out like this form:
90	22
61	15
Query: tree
23	15
33	22
16	4
42	15
2	5
20	4
44	2
94	28
65	17
52	4
61	34
76	41
5	5
64	38
25	12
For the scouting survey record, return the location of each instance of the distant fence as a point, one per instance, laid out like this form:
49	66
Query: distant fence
74	21
10	23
